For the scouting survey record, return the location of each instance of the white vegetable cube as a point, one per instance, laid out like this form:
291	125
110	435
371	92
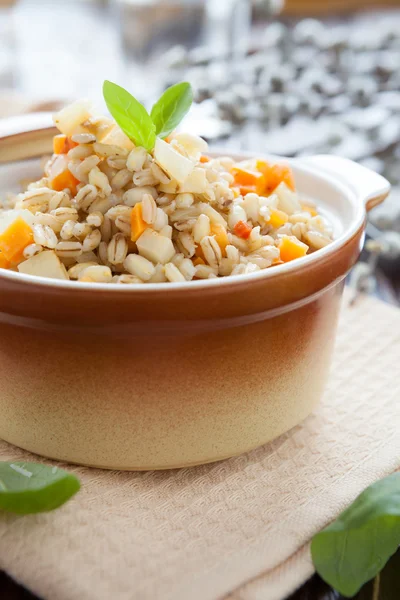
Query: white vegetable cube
116	137
196	183
9	216
71	117
193	144
155	247
177	166
45	264
288	200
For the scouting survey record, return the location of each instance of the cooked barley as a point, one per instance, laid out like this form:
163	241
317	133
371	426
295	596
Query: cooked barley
121	179
80	152
32	250
173	274
127	279
91	241
95	219
211	251
69	249
149	209
187	269
139	266
100	181
136	159
96	274
83	138
77	270
204	271
316	239
117	249
81	230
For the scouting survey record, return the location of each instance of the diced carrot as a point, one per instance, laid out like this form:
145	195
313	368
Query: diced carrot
198	261
290	248
62	144
277	218
4	263
276	174
221	236
63	181
248	189
204	158
245	178
242	230
14	239
138	225
200	254
309	209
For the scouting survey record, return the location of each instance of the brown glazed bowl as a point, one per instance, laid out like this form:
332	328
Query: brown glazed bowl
163	376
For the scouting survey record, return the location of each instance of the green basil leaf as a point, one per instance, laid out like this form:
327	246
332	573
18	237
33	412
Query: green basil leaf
27	488
130	115
355	547
170	109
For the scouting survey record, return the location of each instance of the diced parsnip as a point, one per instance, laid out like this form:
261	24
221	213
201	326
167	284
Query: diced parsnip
277	218
7	217
45	264
14	239
290	248
71	117
196	183
117	137
177	166
4	263
192	144
287	200
99	126
221	236
155	247
138	225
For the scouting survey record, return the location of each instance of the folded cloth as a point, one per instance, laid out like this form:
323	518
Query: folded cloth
237	529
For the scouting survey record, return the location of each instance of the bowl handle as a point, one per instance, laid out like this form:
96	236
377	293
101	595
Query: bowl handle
370	187
26	136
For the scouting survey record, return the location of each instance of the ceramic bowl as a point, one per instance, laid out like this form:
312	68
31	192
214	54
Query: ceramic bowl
163	376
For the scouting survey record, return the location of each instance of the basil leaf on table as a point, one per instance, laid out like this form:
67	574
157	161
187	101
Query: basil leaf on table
130	115
27	488
355	547
170	109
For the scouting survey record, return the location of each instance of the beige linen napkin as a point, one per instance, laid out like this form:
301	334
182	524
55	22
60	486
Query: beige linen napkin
237	529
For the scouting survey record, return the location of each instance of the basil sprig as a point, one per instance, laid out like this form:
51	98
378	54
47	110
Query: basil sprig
135	121
27	488
170	109
354	548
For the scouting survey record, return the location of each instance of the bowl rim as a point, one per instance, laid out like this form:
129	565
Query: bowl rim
233	280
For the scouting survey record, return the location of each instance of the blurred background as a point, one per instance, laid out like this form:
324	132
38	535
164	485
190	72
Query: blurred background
291	77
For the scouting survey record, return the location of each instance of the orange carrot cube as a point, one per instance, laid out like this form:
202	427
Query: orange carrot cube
290	248
14	240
